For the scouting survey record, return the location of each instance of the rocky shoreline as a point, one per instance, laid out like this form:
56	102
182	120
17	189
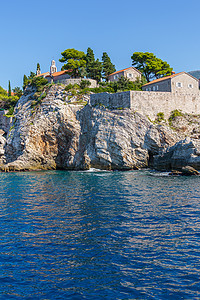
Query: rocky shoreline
59	133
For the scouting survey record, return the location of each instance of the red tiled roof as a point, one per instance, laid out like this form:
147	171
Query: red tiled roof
43	74
59	73
124	70
167	77
12	94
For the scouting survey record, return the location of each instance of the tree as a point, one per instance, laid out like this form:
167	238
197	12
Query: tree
108	67
151	66
93	67
75	62
17	91
38	71
9	89
89	62
25	81
32	75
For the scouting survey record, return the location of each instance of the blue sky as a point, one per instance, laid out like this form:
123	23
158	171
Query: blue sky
39	30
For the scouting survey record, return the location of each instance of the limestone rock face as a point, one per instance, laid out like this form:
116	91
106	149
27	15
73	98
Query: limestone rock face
120	139
43	136
183	153
57	134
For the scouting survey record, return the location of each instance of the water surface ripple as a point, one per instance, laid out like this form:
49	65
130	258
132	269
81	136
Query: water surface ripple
99	235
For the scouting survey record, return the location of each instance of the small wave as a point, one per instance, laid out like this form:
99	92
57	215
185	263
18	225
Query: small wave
95	170
159	174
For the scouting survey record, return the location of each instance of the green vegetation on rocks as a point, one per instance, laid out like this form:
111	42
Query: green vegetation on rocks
7	102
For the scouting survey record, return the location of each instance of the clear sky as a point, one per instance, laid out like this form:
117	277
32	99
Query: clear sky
39	30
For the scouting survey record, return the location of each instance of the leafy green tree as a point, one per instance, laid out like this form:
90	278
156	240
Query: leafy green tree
9	89
75	62
108	67
17	91
150	66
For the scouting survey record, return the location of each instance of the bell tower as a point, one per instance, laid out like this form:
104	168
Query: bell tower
53	67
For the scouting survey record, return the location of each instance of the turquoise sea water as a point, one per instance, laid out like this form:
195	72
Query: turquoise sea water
99	235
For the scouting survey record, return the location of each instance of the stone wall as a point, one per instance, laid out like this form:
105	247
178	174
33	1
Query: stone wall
76	81
150	103
117	100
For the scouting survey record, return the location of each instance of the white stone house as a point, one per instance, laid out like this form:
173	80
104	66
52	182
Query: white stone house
181	82
130	73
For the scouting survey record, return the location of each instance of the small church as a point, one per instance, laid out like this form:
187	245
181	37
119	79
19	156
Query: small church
54	75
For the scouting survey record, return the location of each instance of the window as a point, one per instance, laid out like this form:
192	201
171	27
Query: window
130	75
179	84
115	76
157	88
190	85
154	88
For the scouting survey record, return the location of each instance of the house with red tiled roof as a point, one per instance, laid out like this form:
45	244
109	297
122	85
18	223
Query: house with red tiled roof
130	73
181	82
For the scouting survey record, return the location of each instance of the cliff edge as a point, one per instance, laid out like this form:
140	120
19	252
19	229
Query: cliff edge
56	133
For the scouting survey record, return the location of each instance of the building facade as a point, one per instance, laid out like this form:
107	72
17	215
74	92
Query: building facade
130	73
181	82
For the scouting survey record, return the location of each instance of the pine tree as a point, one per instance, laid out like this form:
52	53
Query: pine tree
108	67
9	89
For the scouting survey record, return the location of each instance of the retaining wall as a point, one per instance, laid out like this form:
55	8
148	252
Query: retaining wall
150	103
76	81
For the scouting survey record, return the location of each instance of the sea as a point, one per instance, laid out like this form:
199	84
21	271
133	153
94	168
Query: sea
99	235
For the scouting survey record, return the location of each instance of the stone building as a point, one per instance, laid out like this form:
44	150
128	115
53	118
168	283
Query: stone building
53	68
181	82
58	76
130	73
63	77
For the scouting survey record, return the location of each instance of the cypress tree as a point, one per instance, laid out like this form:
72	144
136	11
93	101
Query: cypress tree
38	66
90	60
25	81
108	67
38	71
93	67
9	89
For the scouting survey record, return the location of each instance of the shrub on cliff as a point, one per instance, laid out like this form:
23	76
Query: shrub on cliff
175	113
39	83
7	102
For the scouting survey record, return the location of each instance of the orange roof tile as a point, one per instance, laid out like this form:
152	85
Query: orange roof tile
43	74
59	73
167	77
124	70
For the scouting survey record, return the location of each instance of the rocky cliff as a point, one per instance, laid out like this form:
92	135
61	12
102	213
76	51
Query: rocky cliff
59	133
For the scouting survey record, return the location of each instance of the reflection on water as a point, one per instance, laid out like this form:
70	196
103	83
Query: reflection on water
95	235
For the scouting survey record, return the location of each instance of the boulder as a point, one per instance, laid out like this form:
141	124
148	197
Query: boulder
188	171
